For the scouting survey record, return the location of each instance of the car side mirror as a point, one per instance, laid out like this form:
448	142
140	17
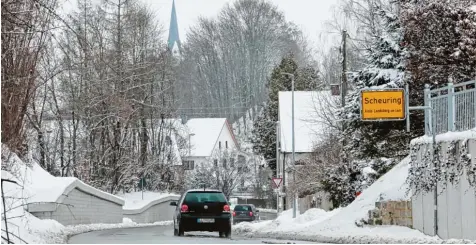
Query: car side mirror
173	203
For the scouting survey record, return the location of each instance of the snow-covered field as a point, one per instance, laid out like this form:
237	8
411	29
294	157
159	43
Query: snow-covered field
340	225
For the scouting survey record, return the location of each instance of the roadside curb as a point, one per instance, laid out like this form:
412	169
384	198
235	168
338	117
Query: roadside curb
70	231
349	239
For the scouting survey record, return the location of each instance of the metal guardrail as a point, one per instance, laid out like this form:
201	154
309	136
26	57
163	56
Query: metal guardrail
453	108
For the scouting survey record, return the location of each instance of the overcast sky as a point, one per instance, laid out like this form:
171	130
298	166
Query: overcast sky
309	15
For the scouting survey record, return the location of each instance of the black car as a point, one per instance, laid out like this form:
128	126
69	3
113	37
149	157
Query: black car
202	210
245	212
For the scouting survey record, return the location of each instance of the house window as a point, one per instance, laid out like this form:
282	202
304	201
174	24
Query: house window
168	140
219	144
188	165
215	162
224	163
232	162
226	144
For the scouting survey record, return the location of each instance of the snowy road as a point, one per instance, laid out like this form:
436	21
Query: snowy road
163	235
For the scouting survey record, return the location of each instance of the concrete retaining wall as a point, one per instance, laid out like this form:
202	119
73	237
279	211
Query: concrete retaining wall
80	204
155	211
456	204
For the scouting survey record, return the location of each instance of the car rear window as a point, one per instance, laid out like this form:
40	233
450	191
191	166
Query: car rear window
242	208
201	197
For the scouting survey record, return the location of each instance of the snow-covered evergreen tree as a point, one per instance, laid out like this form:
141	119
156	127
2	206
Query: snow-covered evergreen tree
385	70
264	128
440	37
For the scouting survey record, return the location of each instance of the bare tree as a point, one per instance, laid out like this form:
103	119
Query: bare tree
25	27
106	90
229	59
224	170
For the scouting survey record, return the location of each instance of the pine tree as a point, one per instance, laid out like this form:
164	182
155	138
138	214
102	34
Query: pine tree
440	37
385	70
264	130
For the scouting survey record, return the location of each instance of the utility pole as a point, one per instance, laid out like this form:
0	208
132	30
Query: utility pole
344	87
278	169
344	67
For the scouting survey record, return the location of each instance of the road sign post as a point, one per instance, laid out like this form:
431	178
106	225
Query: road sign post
382	105
276	183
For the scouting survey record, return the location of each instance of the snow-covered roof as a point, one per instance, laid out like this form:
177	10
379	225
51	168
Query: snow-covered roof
204	134
310	111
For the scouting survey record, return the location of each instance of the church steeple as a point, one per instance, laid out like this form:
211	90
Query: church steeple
174	43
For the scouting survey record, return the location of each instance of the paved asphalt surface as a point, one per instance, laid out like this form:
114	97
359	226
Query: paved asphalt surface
163	235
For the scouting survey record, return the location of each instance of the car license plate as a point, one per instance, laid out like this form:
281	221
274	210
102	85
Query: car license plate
206	221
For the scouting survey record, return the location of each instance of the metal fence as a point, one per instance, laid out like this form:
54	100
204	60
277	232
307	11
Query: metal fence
453	108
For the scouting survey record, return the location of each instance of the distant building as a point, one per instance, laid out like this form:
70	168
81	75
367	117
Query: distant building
206	136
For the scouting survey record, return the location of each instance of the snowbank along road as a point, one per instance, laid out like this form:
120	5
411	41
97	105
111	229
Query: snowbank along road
164	235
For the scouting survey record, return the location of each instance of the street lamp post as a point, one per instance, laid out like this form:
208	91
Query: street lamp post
292	137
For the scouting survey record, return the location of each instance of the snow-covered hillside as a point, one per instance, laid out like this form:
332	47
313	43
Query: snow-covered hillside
32	184
340	225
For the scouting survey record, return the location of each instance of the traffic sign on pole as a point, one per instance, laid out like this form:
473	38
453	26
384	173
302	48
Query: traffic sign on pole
382	105
277	182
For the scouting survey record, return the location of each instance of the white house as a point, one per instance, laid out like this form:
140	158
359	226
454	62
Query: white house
206	136
312	109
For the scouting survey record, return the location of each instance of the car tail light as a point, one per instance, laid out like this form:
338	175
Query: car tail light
234	213
251	213
184	208
226	208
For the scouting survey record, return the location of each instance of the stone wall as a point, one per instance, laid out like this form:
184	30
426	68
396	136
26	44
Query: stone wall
392	213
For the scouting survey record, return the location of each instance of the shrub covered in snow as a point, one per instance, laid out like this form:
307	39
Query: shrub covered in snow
343	182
